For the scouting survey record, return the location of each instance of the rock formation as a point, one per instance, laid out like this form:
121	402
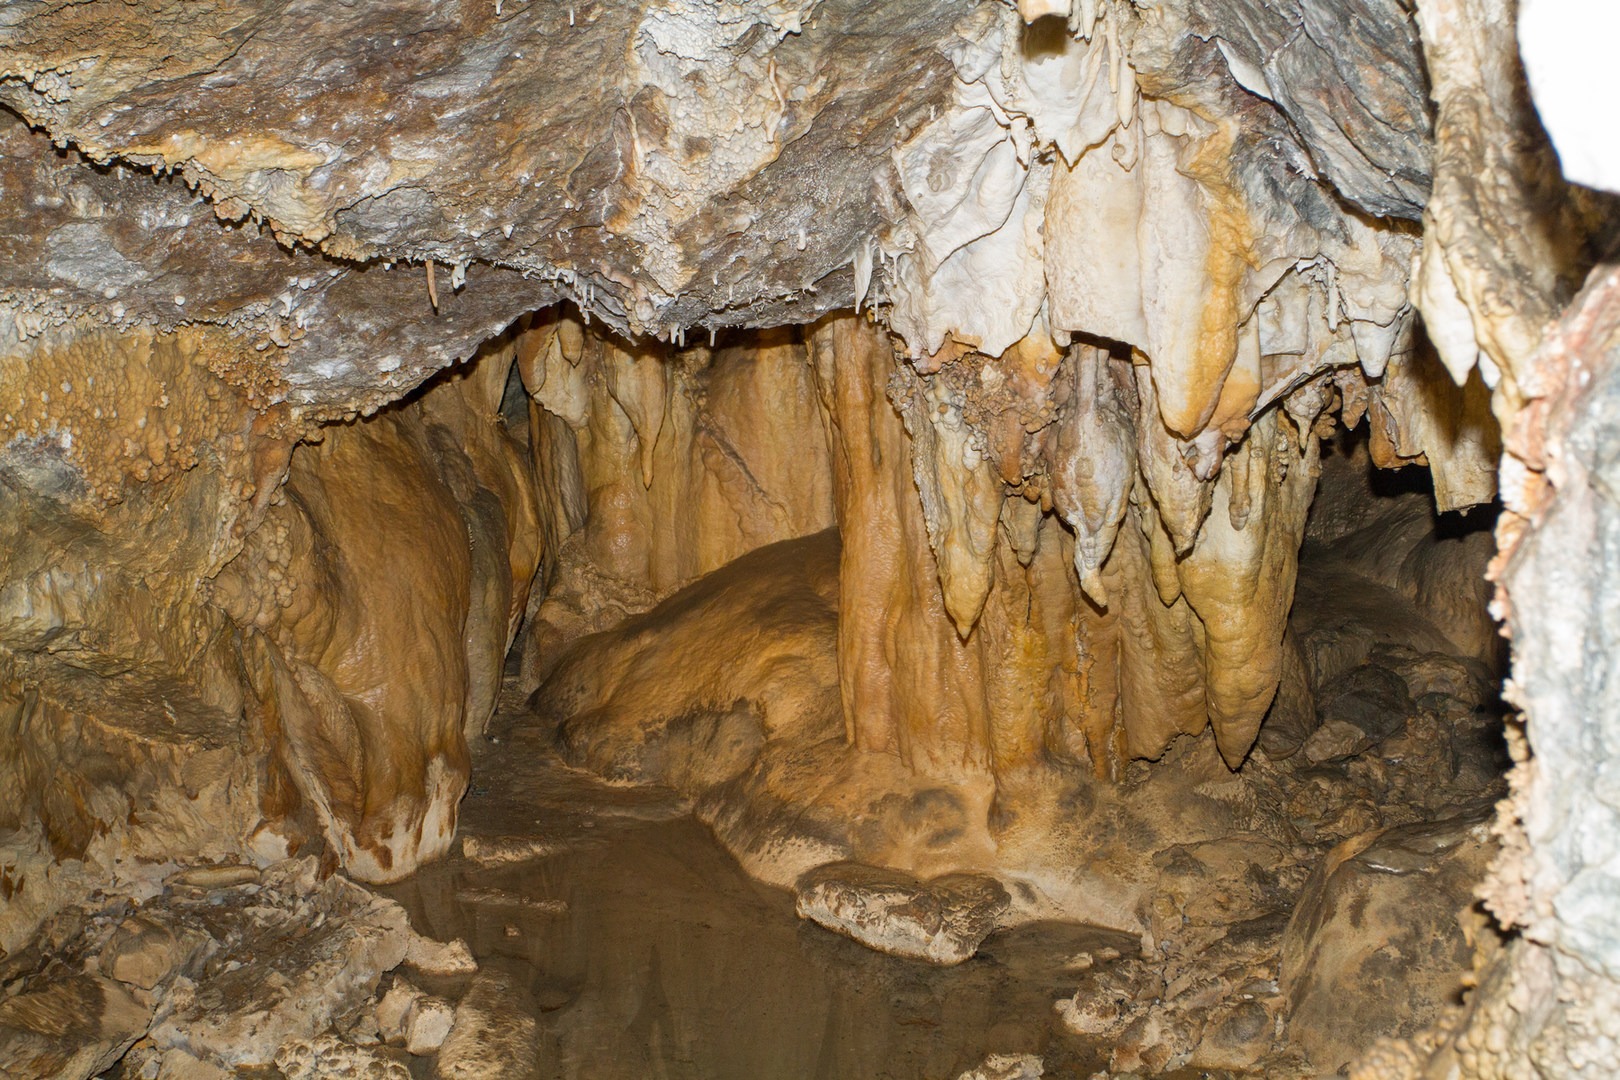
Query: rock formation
927	435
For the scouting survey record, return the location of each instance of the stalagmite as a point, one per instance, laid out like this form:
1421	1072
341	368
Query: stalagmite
911	684
636	381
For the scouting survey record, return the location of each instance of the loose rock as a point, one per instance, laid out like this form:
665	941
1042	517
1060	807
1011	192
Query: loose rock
143	953
941	921
428	1025
68	1030
1375	945
494	1036
1007	1067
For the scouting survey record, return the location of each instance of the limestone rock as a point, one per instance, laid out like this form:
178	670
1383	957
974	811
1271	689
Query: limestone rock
1364	132
417	1020
1376	944
1335	740
1236	1035
440	957
427	1025
1111	1001
224	876
393	1010
502	850
1007	1067
639	160
303	954
176	1064
70	1029
494	1036
941	921
143	953
329	1056
1370	697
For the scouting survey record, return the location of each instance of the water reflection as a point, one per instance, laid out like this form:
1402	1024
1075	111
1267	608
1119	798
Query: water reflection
646	954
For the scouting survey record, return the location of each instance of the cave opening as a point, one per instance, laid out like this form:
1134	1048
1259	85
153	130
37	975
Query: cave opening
967	539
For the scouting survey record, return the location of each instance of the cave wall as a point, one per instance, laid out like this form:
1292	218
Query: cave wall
218	643
657	464
1507	244
376	602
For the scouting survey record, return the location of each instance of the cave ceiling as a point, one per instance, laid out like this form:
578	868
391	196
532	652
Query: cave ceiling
671	167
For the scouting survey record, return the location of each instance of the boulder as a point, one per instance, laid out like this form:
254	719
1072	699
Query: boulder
1371	697
394	1009
1007	1067
1376	945
427	1025
941	921
494	1035
1335	740
68	1030
143	952
327	1057
298	954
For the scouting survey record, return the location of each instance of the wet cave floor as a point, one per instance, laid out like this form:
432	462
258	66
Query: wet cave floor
645	953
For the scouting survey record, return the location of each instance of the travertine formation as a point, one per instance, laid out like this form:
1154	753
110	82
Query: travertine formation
890	425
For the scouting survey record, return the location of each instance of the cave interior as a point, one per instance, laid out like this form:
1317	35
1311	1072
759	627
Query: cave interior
721	539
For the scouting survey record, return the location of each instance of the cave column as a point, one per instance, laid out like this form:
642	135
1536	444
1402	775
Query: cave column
910	684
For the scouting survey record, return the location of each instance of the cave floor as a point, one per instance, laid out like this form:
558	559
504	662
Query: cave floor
643	950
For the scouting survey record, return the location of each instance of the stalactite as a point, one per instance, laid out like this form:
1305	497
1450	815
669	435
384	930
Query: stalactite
1094	465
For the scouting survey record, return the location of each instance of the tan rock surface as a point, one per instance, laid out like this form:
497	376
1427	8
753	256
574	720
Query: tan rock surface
1380	935
70	1030
990	563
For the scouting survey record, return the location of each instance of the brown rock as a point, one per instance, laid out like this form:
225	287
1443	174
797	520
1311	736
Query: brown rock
494	1036
1335	741
428	1025
1376	946
143	953
176	1064
941	921
68	1030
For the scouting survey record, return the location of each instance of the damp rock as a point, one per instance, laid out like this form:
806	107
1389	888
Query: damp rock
494	1035
440	957
1335	740
1370	697
1007	1067
1376	945
941	921
297	955
428	1025
70	1029
144	952
328	1057
394	1008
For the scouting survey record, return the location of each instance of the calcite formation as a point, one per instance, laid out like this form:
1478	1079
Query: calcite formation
891	425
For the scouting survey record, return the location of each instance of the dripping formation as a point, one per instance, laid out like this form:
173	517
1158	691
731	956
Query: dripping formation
967	452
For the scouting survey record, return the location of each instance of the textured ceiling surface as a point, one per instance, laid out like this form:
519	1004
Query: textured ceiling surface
671	166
